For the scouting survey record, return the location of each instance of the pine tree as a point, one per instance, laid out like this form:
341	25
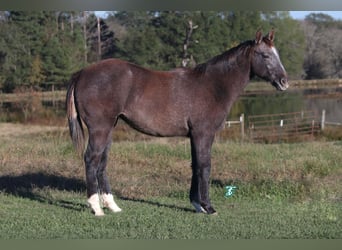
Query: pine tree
14	56
36	75
289	40
99	32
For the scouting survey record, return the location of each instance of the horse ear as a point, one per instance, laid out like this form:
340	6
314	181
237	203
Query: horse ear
270	35
258	37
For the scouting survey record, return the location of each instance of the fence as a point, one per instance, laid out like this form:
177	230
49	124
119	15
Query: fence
324	122
240	122
283	127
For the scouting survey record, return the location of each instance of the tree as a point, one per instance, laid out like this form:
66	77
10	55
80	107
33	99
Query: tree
39	46
156	39
323	58
212	37
320	20
101	39
188	58
14	57
45	47
36	75
169	28
290	41
243	24
139	41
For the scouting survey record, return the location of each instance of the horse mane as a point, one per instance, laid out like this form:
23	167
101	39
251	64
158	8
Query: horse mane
225	60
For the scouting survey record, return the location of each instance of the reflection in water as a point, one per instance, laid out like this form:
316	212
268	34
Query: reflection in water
33	110
251	103
273	102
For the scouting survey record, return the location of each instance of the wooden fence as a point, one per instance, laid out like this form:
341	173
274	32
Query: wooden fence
283	127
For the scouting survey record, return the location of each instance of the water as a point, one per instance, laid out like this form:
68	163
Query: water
34	110
274	102
250	103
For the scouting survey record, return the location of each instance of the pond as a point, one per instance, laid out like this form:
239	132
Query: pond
52	112
295	100
34	110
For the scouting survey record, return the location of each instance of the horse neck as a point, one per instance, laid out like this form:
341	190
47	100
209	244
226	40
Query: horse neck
232	74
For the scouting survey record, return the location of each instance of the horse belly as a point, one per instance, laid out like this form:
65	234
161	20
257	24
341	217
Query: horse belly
157	122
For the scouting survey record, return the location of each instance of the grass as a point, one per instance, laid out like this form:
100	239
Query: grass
284	190
144	220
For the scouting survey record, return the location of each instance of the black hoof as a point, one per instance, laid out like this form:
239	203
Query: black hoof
211	210
203	209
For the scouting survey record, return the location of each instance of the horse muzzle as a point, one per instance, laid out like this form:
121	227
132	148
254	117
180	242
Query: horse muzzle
281	84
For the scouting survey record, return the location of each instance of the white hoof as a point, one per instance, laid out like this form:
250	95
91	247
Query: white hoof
94	203
108	201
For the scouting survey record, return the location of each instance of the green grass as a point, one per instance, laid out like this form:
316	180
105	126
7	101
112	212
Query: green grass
284	190
166	218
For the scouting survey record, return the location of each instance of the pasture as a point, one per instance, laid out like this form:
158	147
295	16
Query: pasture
284	190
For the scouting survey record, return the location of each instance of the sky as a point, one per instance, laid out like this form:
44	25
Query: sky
294	14
303	14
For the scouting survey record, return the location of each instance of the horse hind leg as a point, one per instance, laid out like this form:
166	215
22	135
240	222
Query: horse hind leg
91	159
95	159
103	183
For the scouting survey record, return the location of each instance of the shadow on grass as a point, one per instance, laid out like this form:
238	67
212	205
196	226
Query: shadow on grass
158	204
24	186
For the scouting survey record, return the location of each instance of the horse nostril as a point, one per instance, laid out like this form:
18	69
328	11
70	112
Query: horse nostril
284	82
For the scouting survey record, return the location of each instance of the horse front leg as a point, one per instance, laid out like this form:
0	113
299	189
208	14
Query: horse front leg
201	166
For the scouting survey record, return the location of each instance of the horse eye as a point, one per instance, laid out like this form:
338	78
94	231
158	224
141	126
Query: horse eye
263	55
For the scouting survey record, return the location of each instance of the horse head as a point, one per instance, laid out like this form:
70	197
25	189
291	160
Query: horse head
266	62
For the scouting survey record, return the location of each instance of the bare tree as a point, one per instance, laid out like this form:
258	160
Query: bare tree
323	57
330	52
99	53
186	57
85	36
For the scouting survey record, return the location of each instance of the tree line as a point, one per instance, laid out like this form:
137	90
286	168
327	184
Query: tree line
39	49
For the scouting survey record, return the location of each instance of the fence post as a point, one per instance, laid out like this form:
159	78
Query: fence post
242	122
323	120
312	127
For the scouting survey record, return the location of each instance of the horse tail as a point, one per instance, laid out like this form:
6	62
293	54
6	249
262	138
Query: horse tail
74	119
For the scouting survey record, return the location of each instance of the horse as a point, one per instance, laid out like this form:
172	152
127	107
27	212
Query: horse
187	102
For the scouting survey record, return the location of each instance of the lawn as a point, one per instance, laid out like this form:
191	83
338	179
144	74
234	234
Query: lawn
283	190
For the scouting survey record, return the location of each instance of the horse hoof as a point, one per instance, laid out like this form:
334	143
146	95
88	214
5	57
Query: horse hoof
94	203
198	207
115	210
99	213
108	202
211	211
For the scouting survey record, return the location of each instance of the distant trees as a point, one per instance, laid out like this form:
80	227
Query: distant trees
38	48
323	55
101	39
156	39
43	48
290	42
